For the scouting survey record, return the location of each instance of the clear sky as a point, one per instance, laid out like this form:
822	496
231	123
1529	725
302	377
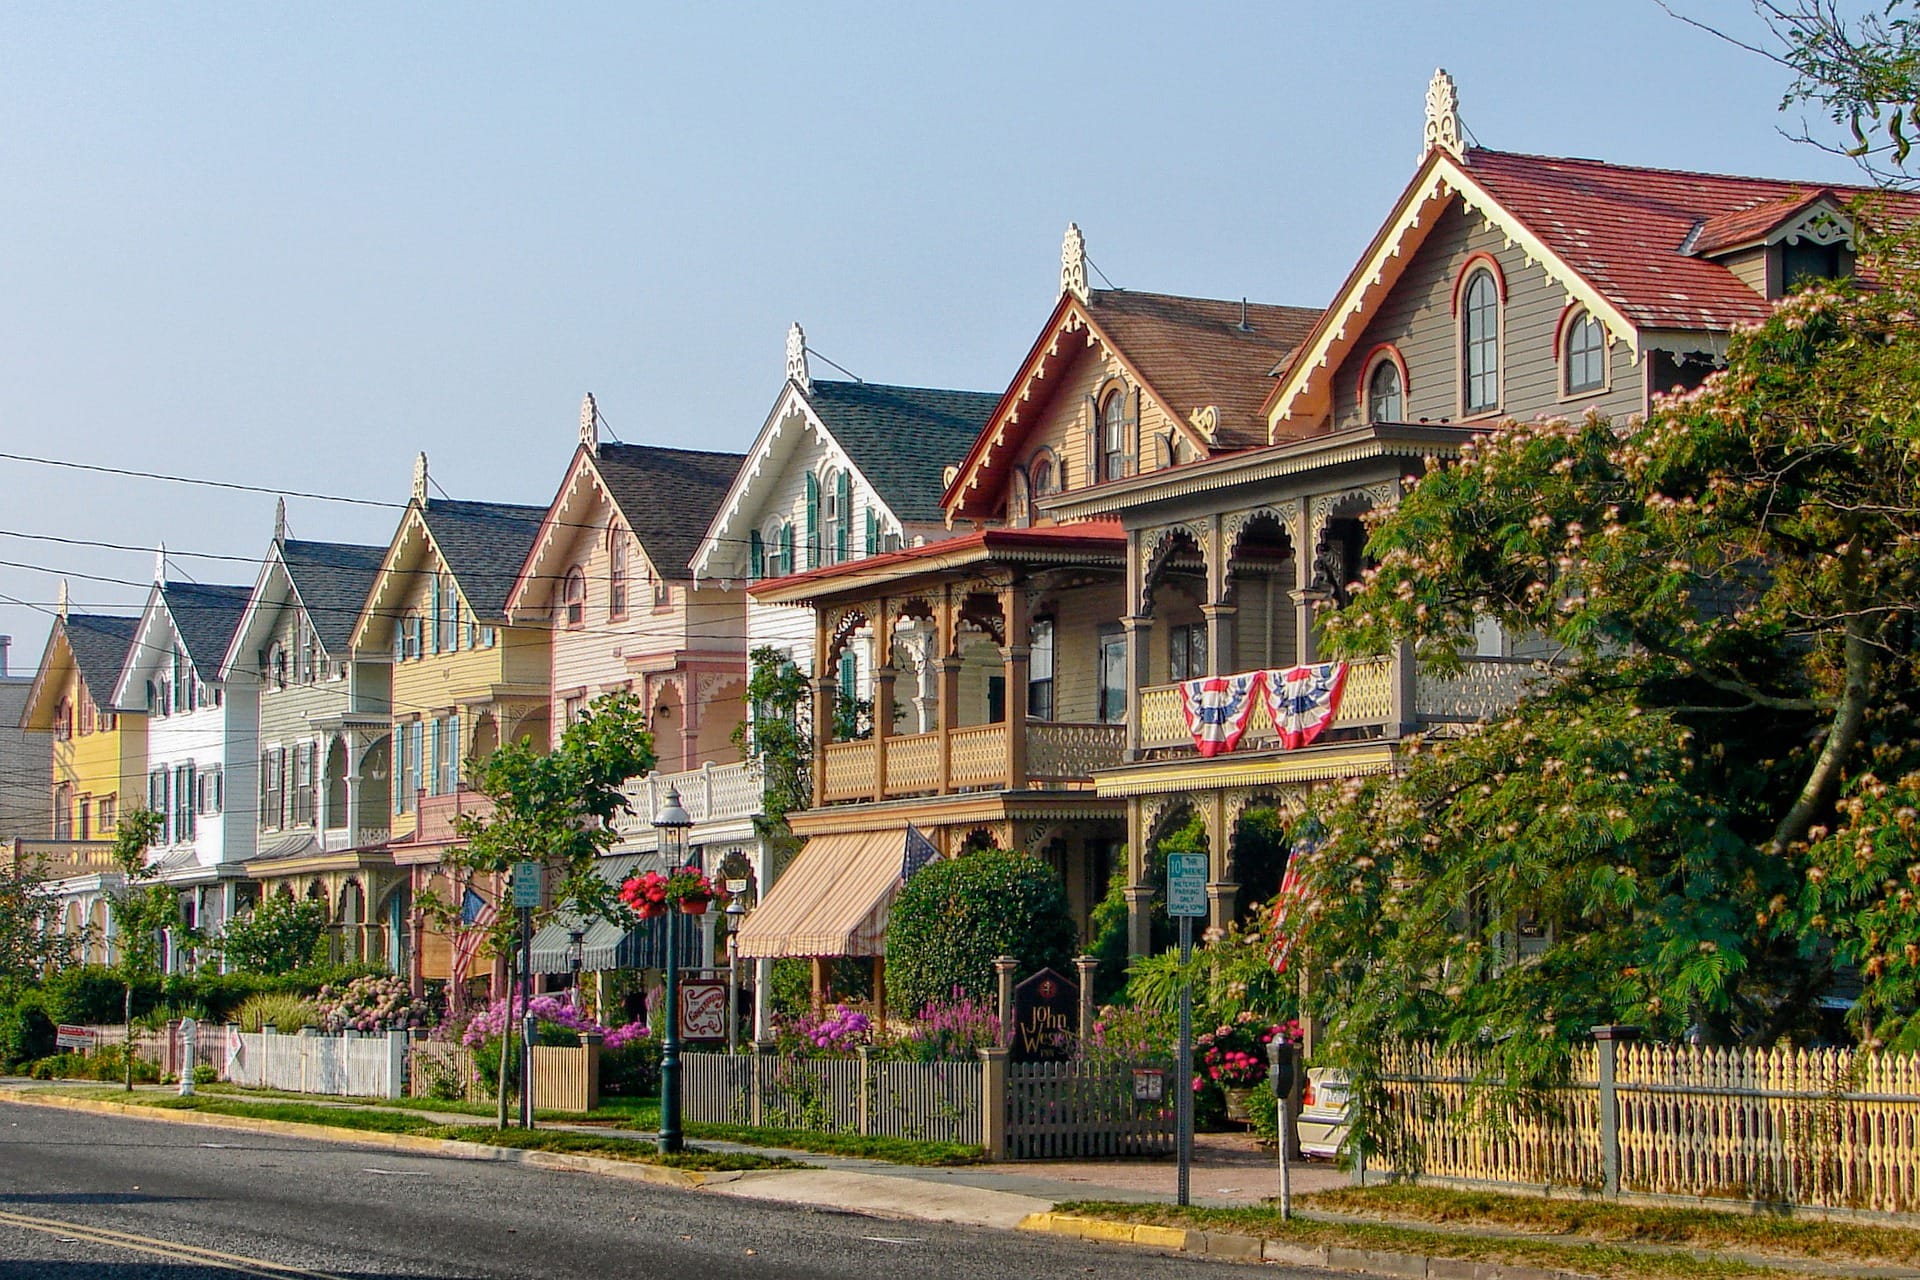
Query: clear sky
292	245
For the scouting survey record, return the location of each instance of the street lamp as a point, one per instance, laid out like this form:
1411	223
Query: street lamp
671	823
735	915
576	960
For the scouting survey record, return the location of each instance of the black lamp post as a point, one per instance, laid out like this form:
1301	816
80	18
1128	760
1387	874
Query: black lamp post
576	959
671	822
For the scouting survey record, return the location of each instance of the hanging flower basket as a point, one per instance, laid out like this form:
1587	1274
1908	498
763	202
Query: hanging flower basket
691	890
646	895
694	906
651	910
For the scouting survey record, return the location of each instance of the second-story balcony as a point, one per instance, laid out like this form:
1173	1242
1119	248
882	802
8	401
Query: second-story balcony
440	815
977	758
713	793
62	859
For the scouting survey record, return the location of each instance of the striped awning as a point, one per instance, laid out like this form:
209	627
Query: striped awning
832	900
605	945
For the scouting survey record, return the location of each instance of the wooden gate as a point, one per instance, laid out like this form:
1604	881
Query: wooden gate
1064	1110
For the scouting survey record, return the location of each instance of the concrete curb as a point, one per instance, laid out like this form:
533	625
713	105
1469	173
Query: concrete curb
1229	1247
629	1169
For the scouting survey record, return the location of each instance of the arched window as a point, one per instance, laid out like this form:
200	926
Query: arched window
63	721
1041	473
836	507
1480	343
616	572
574	600
1585	361
1113	435
1385	394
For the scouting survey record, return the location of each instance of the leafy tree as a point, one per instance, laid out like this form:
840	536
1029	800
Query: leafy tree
955	916
142	911
1732	587
33	940
779	734
279	934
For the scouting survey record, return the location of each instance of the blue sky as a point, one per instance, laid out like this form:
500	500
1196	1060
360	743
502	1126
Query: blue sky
292	245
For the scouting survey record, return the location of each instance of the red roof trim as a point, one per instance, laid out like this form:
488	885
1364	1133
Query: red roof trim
1096	536
1479	258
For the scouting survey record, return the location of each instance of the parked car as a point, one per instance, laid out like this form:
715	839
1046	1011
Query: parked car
1323	1112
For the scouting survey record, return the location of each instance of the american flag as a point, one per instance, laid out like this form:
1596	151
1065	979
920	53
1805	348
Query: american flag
1281	942
477	914
919	852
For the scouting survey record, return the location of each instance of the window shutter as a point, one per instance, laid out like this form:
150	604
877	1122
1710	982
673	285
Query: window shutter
434	638
873	531
843	525
757	555
813	520
453	752
786	548
1094	443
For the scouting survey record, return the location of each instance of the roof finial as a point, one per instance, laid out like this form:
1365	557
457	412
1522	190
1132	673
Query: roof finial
420	478
797	370
589	424
1443	117
1073	263
64	601
160	563
279	520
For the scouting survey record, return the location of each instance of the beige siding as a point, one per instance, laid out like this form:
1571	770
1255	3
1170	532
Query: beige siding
1079	619
1417	318
1263	629
1066	420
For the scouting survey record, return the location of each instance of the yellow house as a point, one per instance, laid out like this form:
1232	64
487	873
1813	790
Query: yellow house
464	681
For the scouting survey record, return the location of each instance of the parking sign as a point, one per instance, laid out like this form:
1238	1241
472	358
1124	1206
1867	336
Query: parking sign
1187	885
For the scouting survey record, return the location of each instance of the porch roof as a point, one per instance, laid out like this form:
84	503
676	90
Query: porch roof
832	901
1096	541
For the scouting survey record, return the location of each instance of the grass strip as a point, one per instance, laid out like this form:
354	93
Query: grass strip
892	1150
1612	1222
640	1112
1614	1261
387	1121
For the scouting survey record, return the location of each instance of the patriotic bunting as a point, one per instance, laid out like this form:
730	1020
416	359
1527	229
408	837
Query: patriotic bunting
1304	701
1217	709
1280	944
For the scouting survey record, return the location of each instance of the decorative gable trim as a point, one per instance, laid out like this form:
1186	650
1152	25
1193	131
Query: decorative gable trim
1305	390
401	561
1821	222
243	635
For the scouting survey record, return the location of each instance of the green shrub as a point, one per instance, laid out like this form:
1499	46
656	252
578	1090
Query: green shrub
92	994
287	1014
107	1063
956	915
630	1071
26	1032
205	1074
278	935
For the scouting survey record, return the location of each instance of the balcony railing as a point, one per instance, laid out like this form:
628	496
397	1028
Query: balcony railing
438	814
1486	688
339	839
57	859
1058	756
711	793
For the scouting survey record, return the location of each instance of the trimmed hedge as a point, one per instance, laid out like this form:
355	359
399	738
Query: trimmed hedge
95	994
956	915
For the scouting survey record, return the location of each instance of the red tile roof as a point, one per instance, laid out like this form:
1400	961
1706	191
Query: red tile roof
1625	229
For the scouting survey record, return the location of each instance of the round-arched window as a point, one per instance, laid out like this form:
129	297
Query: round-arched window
1586	354
1385	395
1480	343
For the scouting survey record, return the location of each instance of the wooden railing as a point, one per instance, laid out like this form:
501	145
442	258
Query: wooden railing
711	793
1058	755
439	813
56	859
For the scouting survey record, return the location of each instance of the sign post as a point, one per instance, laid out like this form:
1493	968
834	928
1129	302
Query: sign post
526	897
1186	902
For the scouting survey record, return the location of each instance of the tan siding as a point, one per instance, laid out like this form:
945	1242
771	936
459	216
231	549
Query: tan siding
1079	617
1417	318
1263	629
1751	266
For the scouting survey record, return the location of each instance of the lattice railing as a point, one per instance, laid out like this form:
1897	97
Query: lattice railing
847	771
1483	689
1072	752
980	756
913	763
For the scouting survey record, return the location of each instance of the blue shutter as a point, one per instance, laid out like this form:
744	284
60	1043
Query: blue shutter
873	532
813	520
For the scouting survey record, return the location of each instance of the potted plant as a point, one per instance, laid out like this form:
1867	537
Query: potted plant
646	894
691	890
1234	1056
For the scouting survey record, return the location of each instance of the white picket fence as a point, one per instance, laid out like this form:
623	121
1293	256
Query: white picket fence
348	1066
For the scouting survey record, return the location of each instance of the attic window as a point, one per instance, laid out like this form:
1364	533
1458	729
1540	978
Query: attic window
1586	354
1804	262
1114	459
1480	344
574	601
1386	395
617	573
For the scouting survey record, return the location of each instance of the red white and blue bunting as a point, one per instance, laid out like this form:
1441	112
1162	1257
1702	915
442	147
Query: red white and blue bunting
1217	709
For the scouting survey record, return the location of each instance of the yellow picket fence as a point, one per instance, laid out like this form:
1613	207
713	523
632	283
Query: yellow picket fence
1813	1128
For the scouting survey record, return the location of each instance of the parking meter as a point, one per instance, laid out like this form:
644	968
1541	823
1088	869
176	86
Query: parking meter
1282	1056
1282	1063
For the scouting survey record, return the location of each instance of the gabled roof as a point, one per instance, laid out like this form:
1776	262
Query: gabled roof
332	579
902	438
667	496
96	645
205	617
1623	240
483	544
1188	354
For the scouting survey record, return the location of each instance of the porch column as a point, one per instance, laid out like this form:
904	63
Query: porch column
1218	613
689	720
883	679
947	627
1016	655
1139	894
824	690
1221	891
1139	674
1303	556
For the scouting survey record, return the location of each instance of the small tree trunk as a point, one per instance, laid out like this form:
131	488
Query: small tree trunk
1843	734
506	1044
126	1046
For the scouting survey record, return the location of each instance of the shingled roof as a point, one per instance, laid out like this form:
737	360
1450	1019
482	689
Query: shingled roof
902	438
1194	352
333	579
99	642
668	496
484	544
1630	232
205	618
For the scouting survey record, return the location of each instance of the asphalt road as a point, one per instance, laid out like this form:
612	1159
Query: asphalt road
123	1199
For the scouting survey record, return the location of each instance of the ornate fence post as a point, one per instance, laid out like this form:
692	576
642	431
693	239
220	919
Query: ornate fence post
1085	967
993	1102
1608	1040
1003	970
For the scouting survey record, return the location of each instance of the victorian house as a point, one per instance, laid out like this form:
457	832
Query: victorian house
1001	684
99	765
608	577
1500	287
202	732
841	471
324	754
463	679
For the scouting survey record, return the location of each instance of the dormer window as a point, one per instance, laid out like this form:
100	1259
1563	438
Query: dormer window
1806	261
1584	363
1480	343
574	599
1386	392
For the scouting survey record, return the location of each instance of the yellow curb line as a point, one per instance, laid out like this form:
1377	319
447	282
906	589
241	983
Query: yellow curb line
452	1147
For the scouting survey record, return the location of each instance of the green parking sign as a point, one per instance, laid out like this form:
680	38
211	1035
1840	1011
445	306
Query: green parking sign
1187	885
526	884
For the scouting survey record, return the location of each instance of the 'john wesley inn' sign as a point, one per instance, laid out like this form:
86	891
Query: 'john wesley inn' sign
1045	1008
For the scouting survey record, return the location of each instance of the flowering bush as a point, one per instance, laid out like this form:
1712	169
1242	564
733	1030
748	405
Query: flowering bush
1234	1054
835	1036
1130	1034
371	1004
946	1033
556	1021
